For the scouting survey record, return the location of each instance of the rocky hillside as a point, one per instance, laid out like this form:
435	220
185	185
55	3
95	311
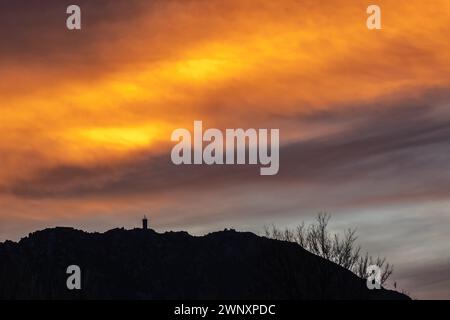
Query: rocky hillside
143	264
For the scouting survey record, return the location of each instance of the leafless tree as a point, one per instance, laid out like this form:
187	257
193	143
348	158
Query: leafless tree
341	249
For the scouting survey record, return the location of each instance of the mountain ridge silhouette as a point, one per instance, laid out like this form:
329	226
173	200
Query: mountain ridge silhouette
144	264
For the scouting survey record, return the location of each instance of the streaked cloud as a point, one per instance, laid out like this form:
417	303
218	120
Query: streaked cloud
86	116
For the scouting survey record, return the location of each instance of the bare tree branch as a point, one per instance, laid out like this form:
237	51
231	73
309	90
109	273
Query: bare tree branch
343	251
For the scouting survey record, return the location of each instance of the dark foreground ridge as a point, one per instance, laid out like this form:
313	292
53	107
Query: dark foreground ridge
143	264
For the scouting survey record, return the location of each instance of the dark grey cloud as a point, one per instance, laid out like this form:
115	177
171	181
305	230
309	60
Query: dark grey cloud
35	31
429	280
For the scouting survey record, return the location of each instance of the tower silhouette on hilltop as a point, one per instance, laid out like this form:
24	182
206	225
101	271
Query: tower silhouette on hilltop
145	223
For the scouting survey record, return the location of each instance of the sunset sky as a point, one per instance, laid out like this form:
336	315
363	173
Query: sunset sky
364	118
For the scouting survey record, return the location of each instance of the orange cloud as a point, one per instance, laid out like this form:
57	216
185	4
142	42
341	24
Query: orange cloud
125	84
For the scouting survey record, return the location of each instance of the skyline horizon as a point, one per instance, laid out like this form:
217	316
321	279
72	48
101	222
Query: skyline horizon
88	110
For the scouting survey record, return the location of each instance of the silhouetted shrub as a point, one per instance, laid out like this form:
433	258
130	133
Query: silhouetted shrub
340	249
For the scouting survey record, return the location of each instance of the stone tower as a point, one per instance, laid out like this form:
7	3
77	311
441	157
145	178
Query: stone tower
145	223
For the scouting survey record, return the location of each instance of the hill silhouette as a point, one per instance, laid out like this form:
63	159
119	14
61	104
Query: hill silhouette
144	264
